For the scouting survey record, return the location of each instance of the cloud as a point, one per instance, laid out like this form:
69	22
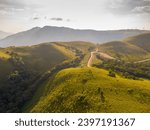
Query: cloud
36	18
6	4
57	19
10	7
129	6
141	9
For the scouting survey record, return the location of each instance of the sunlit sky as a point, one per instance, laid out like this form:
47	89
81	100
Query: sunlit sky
20	15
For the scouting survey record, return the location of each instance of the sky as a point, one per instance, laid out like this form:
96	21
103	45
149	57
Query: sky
20	15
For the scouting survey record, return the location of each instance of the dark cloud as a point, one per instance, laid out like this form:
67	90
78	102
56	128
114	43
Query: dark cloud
36	18
129	6
142	9
7	4
57	19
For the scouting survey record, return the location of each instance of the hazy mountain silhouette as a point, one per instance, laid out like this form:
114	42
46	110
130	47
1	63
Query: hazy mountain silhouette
51	33
4	34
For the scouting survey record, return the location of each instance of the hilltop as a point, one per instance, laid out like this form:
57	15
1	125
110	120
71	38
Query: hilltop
132	48
142	41
92	90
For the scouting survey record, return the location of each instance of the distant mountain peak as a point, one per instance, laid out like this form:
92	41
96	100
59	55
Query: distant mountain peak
38	35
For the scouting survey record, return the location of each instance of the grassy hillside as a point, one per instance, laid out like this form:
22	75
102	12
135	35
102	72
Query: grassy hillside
39	58
4	55
22	69
84	47
35	78
92	90
142	41
42	57
131	49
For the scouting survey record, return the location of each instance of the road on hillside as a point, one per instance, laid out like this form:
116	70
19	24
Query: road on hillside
103	55
106	56
141	61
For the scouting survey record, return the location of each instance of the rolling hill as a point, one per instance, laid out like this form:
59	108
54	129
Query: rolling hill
92	90
132	48
39	58
52	77
142	41
50	34
23	68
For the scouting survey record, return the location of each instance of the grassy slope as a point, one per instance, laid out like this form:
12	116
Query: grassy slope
42	57
39	58
124	50
4	55
142	41
83	46
66	52
86	48
92	90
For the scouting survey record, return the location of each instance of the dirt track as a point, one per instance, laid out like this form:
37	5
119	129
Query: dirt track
106	56
103	55
142	61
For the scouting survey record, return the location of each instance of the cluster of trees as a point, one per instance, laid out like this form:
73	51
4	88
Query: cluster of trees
128	70
17	90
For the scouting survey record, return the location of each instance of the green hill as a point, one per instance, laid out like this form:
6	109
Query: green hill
84	47
142	41
130	49
52	77
92	90
39	58
22	68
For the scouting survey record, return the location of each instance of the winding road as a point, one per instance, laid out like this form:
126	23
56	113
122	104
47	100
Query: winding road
103	55
106	56
141	61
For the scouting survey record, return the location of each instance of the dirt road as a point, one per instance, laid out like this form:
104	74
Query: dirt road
89	64
142	61
103	55
106	56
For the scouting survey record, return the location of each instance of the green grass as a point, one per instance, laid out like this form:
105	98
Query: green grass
4	55
39	58
42	57
142	41
130	49
66	52
83	46
92	90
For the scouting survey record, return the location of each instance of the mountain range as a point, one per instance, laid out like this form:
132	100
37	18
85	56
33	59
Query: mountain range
51	33
4	34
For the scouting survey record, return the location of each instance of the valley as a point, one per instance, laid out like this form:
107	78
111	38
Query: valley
76	76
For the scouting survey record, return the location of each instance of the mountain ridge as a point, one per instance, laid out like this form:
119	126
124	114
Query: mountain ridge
4	34
136	46
38	35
